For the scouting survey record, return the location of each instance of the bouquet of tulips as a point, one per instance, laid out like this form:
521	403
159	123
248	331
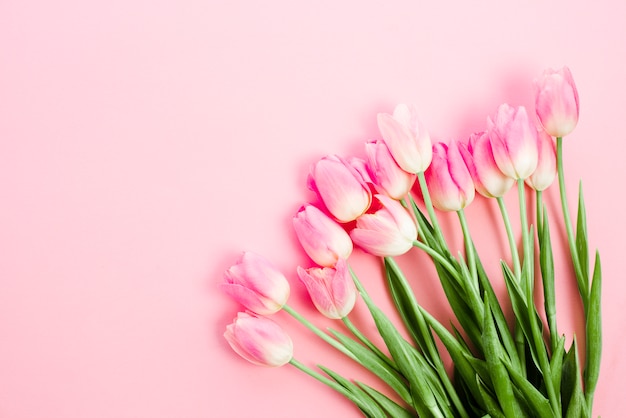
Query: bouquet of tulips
387	206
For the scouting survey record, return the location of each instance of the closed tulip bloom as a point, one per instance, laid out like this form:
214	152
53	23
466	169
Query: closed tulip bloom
259	340
513	141
323	239
340	186
488	179
556	102
332	290
545	173
390	231
385	173
448	178
407	139
256	284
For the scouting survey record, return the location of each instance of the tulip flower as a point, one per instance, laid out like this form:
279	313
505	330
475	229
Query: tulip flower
340	186
259	340
556	102
545	173
323	239
488	179
257	284
513	141
385	172
448	178
408	141
390	231
332	290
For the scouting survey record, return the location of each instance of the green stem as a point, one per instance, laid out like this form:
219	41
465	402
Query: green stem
336	344
539	211
431	210
509	233
434	254
582	284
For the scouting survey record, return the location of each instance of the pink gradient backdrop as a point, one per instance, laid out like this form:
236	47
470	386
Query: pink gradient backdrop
145	144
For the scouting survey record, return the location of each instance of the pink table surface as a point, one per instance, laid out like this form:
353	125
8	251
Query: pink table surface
145	144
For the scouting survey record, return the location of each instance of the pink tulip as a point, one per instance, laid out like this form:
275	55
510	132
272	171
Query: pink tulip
385	173
389	231
448	179
332	290
323	239
545	173
257	284
341	188
513	141
259	340
556	102
408	141
478	155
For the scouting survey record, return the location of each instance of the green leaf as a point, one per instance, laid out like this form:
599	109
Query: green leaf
391	408
376	365
492	406
365	403
571	386
499	376
556	363
582	247
534	399
546	264
594	330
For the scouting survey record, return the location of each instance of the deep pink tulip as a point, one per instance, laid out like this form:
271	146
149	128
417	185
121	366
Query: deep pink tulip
513	141
449	181
390	231
341	187
259	340
385	173
332	290
545	173
256	284
407	139
556	102
488	179
323	239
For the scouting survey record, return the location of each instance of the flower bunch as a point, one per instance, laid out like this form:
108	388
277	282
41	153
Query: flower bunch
519	368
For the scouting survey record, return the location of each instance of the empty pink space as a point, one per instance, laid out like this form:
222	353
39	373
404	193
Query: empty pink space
145	145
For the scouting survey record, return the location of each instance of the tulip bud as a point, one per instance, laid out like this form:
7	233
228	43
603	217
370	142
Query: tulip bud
448	179
332	290
389	231
386	174
259	340
545	173
257	284
478	156
408	141
340	186
556	102
322	238
513	141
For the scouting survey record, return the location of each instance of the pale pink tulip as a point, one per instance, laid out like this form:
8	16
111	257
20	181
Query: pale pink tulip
449	181
341	187
407	139
556	102
385	172
259	340
256	284
332	290
545	173
323	239
513	141
390	231
488	179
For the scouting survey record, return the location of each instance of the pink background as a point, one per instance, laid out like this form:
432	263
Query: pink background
145	144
